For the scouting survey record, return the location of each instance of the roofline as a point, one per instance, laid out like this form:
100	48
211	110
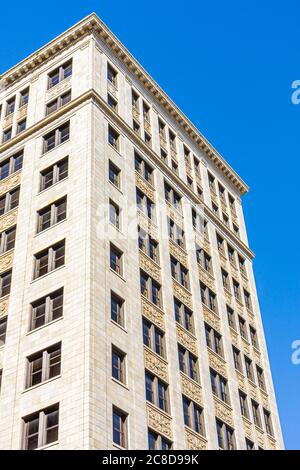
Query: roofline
93	24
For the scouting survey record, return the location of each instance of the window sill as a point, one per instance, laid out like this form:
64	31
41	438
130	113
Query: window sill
116	187
47	274
52	186
49	228
115	150
120	383
117	274
47	446
116	446
44	326
10	176
42	383
119	326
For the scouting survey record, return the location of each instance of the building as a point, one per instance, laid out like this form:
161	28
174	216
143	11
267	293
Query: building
128	311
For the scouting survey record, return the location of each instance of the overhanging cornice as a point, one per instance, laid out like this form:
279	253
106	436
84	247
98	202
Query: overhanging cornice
92	24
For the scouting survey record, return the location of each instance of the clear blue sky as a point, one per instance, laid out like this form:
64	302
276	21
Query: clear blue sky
229	66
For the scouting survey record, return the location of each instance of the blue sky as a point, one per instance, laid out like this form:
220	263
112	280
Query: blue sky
229	66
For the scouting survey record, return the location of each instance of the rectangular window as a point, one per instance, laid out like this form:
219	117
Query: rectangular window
9	201
7	135
58	103
243	328
256	413
41	428
172	197
261	378
112	75
231	255
236	290
116	260
153	338
179	272
24	97
114	174
144	204
176	233
11	165
237	359
226	437
119	424
51	215
114	214
158	442
214	340
268	422
112	102
188	363
249	369
10	106
242	266
253	336
21	126
231	317
247	298
54	174
193	416
249	445
46	309
148	245
56	137
5	283
59	74
208	297
49	259
3	327
117	309
113	138
225	280
7	240
118	365
150	289
244	404
204	259
219	386
157	392
43	365
143	168
183	315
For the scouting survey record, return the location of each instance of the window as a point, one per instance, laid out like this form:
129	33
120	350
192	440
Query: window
112	75
116	260
220	243
148	245
199	223
58	103
43	365
3	327
49	259
253	336
211	182
9	201
242	265
7	135
268	422
176	233
231	317
261	378
204	259
52	214
231	204
249	368
243	329
236	230
215	208
117	309
24	97
236	290
183	315
188	363
237	359
256	413
172	197
157	392
21	126
157	442
146	112
226	437
172	140
193	416
7	240
163	155
208	297
145	204
197	167
54	174
119	427
221	192
112	102
59	74
150	289
114	174
162	129
118	365
46	309
225	219
153	338
213	340
135	101
225	280
113	138
247	300
179	272
143	168
249	445
219	386
136	127
56	137
41	428
244	404
11	165
114	214
147	138
231	254
5	283
10	106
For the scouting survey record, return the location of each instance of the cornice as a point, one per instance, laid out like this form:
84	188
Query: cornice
92	24
92	95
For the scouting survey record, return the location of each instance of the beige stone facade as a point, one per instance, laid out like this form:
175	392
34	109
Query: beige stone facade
102	93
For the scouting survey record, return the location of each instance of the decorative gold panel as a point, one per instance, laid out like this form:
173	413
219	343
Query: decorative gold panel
234	337
147	126
4	306
248	427
148	265
260	436
241	380
10	182
153	313
163	143
246	346
182	294
206	277
174	215
228	296
211	317
271	443
239	306
22	112
253	390
217	363
194	441
159	421
223	411
265	399
257	355
234	270
178	253
136	114
206	245
186	339
6	261
191	389
155	364
59	88
8	120
147	225
251	317
145	186
8	220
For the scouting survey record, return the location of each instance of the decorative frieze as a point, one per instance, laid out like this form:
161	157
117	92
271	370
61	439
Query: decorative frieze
206	245
149	266
206	277
174	215
234	269
22	112
163	143
194	441
248	428
271	442
253	391
6	261
217	363
9	183
153	313
147	225
228	296
260	436
136	114
211	317
182	294
8	220
7	121
223	411
191	389
4	306
265	399
58	89
234	337
159	421
246	346
241	380
145	186
257	355
186	339
156	364
178	253
147	126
